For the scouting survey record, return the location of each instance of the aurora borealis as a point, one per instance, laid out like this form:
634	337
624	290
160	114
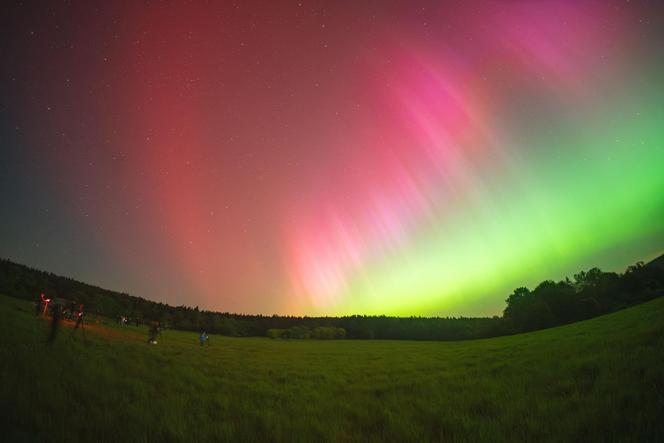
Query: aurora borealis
329	158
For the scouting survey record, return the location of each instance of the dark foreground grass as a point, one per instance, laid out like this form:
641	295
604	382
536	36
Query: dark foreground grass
598	380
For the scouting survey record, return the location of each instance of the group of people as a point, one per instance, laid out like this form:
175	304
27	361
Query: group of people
75	312
155	330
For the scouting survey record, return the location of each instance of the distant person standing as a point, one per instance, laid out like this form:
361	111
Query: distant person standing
79	317
204	338
153	332
55	322
44	303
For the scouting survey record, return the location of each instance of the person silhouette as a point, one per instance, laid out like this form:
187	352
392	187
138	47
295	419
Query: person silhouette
79	317
203	338
153	332
55	322
44	302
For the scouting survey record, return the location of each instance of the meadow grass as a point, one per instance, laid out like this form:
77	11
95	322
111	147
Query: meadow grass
597	380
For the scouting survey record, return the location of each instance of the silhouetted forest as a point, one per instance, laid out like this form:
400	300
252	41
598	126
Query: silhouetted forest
589	294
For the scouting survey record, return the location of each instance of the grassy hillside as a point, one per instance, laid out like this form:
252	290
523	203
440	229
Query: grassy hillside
600	380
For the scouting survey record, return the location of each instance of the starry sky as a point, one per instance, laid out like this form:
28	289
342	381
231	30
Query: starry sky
331	158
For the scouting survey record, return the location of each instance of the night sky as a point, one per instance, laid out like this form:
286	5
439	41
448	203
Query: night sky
371	157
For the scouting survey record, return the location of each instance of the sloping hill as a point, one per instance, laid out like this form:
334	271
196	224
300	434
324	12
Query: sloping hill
597	380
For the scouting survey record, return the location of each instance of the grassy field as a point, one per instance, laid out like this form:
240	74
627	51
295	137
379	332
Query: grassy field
598	380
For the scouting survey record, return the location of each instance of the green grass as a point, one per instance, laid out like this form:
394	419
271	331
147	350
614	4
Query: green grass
598	380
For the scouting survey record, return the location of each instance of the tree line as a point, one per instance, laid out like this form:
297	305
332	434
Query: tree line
588	294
